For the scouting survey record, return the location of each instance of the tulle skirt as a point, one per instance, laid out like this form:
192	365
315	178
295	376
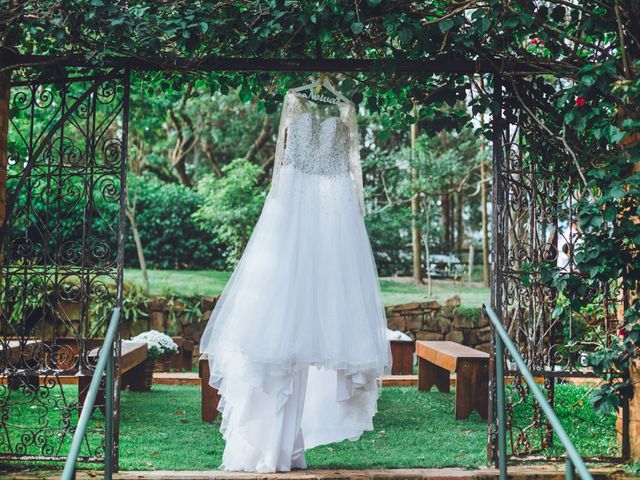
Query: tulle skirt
297	341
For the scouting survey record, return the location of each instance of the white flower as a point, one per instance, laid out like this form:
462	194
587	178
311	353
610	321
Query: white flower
157	342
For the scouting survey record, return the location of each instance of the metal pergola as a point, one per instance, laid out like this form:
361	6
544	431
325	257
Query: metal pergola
505	169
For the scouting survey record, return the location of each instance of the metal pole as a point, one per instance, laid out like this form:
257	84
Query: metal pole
500	393
235	64
108	414
120	280
547	409
87	408
570	471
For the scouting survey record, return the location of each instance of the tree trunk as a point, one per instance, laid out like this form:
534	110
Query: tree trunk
471	259
452	226
182	147
415	213
626	298
263	137
444	219
139	250
5	88
427	211
208	152
135	167
485	226
459	229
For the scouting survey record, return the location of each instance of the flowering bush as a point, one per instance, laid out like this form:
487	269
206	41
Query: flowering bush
157	342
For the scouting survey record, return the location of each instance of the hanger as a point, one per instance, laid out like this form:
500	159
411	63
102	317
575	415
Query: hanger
316	86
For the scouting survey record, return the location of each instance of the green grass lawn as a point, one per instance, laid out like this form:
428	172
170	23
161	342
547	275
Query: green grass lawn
211	282
394	293
412	429
594	434
162	430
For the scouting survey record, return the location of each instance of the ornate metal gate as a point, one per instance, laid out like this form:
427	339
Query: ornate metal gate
62	254
535	233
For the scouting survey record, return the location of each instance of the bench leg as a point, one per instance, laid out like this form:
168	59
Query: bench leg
402	357
472	389
430	374
210	397
135	378
187	360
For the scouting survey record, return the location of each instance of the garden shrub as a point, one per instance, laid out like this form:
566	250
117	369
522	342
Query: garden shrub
231	205
171	239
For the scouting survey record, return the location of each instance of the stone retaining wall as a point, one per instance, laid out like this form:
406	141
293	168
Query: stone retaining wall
433	321
160	314
420	320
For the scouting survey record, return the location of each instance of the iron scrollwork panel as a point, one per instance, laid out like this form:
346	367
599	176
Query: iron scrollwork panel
60	262
535	236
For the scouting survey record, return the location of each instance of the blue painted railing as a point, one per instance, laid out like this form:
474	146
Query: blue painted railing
574	460
105	364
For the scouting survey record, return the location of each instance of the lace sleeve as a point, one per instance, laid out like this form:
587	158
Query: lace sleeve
354	155
280	142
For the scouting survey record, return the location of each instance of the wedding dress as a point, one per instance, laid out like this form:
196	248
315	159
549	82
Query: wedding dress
297	340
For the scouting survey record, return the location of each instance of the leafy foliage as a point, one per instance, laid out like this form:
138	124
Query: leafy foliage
135	303
171	238
446	164
231	205
568	37
609	218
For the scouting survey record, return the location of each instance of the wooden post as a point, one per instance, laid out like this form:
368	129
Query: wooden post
210	396
5	89
629	414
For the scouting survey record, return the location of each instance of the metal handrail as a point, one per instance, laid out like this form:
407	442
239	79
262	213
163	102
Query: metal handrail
105	363
574	460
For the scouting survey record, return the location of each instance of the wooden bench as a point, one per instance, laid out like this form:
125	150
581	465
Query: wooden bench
210	397
402	356
18	351
183	360
131	364
21	354
65	350
436	360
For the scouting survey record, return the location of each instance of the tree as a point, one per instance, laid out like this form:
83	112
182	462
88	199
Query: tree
415	211
190	132
232	205
131	201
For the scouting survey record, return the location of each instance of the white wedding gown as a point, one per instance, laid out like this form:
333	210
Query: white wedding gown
297	341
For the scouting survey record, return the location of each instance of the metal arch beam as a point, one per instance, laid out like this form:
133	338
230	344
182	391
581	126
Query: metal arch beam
211	64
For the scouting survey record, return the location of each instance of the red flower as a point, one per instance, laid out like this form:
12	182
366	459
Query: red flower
580	101
535	41
541	43
622	332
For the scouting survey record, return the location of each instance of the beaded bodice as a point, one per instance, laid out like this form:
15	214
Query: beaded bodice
318	144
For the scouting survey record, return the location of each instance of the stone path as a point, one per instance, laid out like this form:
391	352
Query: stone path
543	472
